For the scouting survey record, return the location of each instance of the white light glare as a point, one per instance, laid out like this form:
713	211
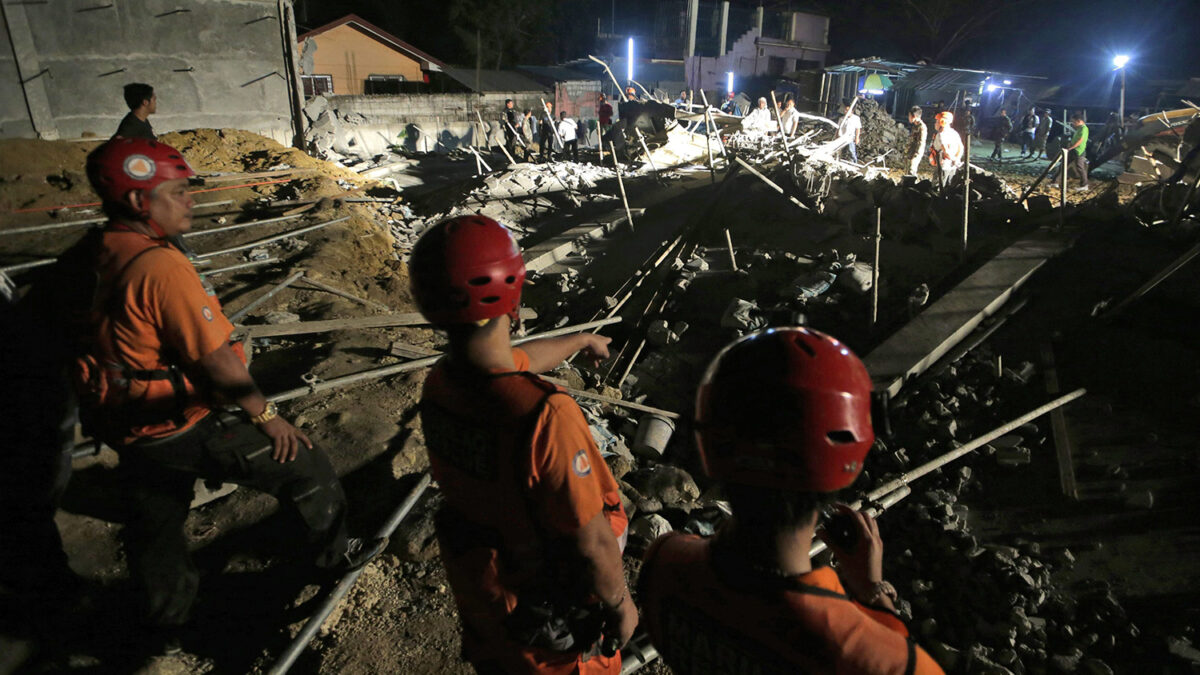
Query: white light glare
630	58
1007	82
729	82
1120	60
991	87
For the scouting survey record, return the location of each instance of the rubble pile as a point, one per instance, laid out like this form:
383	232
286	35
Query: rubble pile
976	607
881	136
337	136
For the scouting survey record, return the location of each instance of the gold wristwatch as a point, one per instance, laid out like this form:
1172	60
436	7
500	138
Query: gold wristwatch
268	414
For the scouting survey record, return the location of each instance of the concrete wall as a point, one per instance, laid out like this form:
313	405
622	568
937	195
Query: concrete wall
350	56
366	126
213	63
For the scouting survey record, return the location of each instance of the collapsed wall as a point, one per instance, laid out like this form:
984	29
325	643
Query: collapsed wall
213	63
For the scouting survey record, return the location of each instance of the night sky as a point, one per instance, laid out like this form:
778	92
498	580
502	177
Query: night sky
1071	40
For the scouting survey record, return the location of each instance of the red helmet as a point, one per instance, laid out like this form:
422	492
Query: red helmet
785	408
126	164
465	270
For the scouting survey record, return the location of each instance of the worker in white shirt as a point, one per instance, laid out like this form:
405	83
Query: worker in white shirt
567	131
790	117
850	128
759	119
946	150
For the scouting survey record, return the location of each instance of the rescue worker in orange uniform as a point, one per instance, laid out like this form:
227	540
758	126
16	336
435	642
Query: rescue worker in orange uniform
532	529
783	421
153	359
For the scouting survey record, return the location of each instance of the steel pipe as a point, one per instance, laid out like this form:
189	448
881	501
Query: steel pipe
300	643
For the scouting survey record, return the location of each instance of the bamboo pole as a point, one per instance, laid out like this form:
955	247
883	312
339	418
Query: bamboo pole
646	149
621	185
395	369
272	239
1062	192
502	148
339	593
787	152
86	221
729	244
708	137
1155	280
265	297
875	268
242	266
1029	190
770	182
240	226
990	436
339	292
966	216
553	126
874	510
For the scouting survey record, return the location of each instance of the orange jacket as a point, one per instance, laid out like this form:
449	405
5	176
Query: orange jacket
709	620
517	465
151	317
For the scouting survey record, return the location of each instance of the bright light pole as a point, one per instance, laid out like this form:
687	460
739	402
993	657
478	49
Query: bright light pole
630	57
729	82
1119	61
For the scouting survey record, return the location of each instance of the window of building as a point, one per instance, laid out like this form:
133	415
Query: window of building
776	65
384	84
315	85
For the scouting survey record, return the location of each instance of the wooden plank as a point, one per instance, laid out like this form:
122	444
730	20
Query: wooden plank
1058	424
935	331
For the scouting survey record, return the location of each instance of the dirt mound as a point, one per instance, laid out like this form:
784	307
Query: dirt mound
237	150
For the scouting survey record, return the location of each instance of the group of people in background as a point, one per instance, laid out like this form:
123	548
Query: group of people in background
947	148
555	137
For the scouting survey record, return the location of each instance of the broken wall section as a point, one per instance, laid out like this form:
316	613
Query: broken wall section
212	63
367	126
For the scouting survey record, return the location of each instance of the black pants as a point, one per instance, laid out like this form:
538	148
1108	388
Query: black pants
571	149
227	448
1027	143
35	466
1077	164
998	150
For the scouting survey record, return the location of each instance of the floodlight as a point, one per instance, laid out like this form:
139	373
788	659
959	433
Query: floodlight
1120	60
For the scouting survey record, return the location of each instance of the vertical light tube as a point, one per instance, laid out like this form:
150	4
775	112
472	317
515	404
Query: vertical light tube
729	82
630	57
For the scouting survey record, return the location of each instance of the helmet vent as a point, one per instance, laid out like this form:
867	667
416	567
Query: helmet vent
480	281
799	340
490	300
841	437
509	279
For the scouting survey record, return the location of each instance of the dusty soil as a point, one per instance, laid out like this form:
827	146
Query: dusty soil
399	617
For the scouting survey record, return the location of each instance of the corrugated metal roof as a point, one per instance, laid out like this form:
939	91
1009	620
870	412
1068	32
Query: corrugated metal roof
557	74
931	77
494	80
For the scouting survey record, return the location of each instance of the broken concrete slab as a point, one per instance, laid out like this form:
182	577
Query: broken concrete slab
936	330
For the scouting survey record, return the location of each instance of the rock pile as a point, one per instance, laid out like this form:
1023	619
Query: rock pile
983	607
881	135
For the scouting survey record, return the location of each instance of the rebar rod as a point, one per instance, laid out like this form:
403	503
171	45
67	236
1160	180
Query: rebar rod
272	239
233	318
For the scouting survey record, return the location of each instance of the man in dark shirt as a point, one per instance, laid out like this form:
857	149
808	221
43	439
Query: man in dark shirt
511	121
143	103
1003	127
